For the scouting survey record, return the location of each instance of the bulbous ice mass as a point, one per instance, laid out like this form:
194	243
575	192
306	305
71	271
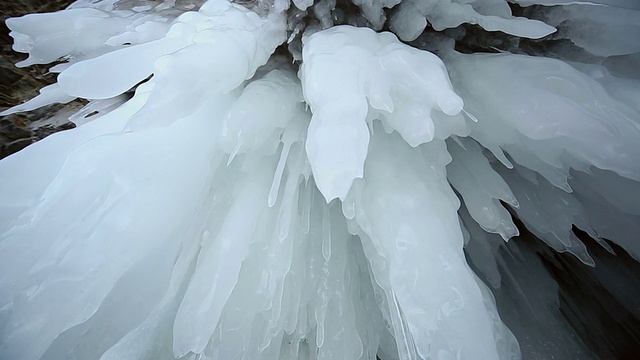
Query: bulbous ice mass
412	16
195	214
379	77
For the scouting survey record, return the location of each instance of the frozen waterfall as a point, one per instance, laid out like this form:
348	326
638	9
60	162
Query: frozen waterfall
337	179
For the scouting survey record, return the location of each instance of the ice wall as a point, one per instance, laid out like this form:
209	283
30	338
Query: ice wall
267	180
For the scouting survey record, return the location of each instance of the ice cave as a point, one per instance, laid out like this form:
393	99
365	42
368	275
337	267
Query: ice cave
320	179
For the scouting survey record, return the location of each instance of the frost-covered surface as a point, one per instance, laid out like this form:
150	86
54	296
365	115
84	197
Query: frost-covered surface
219	200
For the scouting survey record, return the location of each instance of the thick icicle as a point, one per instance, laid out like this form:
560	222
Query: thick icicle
481	188
338	136
412	16
77	265
412	246
578	125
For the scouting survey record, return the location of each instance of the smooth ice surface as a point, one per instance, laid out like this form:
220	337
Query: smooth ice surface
261	113
629	4
49	37
192	212
412	16
370	65
101	76
373	10
50	94
601	30
579	125
412	246
470	173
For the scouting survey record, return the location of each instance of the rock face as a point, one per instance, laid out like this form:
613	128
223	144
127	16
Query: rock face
555	304
18	85
600	303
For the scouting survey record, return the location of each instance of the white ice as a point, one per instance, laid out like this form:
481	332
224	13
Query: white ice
197	218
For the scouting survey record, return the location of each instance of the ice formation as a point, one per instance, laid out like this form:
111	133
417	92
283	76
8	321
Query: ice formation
222	202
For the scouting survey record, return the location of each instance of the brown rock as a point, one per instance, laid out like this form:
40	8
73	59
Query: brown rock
18	85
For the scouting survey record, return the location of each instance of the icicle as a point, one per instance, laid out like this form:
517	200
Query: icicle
481	188
234	153
410	18
290	192
291	135
277	177
307	206
52	94
326	234
349	207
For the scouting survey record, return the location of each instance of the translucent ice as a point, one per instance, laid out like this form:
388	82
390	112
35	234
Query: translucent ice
601	30
338	136
49	37
481	188
48	95
547	115
412	16
192	212
412	246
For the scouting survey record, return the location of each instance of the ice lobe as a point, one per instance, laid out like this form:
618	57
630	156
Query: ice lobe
412	16
406	217
49	37
373	11
78	259
48	95
628	4
380	78
230	44
104	77
219	262
546	115
18	194
601	30
262	112
233	40
610	204
551	123
550	212
471	174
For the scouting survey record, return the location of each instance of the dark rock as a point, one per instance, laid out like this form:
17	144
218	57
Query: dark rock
18	85
558	307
